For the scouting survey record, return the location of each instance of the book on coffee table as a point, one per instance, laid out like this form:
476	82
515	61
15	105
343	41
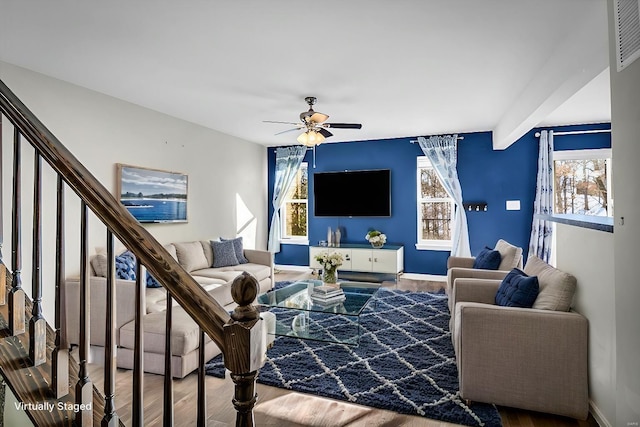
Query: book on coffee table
328	301
327	291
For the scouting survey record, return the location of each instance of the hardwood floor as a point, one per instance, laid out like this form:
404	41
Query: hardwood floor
282	408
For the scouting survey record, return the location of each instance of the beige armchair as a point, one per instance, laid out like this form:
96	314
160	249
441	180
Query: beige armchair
459	267
529	358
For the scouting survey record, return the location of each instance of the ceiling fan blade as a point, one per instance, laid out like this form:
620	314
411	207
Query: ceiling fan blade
284	123
286	131
324	132
343	125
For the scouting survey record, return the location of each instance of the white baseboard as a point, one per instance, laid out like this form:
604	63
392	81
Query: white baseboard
598	415
424	277
286	267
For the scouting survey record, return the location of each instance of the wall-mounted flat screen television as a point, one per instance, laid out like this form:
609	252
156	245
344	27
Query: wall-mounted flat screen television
352	193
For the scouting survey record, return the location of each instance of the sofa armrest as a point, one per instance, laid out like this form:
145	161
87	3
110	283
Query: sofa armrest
524	358
471	290
456	273
125	307
256	256
474	290
459	261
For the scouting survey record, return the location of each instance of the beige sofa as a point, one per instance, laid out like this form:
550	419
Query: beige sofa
196	258
530	358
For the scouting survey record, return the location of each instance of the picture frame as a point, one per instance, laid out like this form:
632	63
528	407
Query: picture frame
153	195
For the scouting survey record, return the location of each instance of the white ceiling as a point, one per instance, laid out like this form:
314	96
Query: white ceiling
401	68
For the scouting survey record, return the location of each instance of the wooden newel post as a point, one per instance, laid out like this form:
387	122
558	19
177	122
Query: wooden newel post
245	346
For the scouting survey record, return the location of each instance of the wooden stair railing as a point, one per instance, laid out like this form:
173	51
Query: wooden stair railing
239	336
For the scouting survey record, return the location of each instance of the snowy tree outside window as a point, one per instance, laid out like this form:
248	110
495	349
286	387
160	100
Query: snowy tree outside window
435	209
582	182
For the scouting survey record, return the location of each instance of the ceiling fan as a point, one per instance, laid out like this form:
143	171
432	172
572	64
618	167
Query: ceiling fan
314	125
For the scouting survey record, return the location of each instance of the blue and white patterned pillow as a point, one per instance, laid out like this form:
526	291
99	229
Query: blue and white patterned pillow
152	282
238	247
126	266
224	254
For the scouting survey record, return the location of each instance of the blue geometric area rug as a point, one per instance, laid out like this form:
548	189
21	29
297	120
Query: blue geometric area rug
404	362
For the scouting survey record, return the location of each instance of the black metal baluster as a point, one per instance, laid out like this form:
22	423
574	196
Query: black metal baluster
84	388
16	295
37	324
110	418
202	389
60	354
168	373
137	417
3	268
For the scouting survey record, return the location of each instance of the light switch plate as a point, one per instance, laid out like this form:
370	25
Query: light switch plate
513	205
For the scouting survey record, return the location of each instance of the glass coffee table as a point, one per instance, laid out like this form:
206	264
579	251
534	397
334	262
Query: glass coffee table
298	316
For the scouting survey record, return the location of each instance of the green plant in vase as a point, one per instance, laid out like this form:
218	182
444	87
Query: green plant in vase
376	238
330	261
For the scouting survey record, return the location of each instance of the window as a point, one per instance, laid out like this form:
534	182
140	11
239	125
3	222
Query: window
582	182
294	211
435	209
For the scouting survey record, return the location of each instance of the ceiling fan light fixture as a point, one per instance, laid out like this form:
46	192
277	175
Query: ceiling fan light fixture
318	117
310	138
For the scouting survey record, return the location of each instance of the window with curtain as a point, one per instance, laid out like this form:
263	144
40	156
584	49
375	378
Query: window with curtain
435	209
295	213
582	182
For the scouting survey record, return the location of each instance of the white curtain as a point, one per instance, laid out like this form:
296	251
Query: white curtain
541	230
288	160
442	151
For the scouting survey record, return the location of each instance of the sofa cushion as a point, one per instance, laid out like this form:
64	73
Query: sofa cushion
487	259
208	251
172	251
511	255
556	287
517	290
227	274
224	254
126	266
185	333
99	264
238	246
191	255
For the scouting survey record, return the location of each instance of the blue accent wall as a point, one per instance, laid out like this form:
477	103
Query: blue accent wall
486	175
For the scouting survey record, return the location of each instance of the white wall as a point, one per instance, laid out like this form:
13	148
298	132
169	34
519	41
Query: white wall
227	176
625	142
591	261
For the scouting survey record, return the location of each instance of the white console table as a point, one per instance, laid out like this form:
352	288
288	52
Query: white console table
363	258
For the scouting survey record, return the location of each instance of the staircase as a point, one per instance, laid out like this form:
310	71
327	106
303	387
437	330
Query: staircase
34	353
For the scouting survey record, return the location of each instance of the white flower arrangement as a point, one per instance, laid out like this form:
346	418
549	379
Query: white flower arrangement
329	261
376	237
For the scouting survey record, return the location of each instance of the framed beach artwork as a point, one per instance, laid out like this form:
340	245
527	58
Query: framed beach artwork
152	195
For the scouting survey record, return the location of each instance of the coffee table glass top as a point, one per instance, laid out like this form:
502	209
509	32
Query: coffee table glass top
298	316
297	296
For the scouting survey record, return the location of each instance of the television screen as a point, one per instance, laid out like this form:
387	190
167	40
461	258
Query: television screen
352	193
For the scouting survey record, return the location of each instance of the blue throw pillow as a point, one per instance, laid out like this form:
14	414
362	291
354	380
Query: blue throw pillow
518	290
238	248
152	282
488	259
224	254
126	266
